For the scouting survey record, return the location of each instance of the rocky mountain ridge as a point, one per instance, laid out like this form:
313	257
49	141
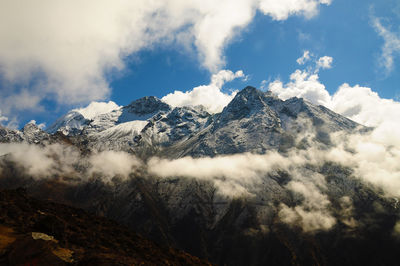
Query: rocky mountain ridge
254	121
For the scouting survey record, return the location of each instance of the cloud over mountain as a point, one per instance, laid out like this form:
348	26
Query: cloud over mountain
64	50
210	96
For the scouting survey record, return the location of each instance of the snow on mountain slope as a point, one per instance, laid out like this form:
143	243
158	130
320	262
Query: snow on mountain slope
255	122
70	124
33	134
121	137
30	133
9	135
95	118
181	123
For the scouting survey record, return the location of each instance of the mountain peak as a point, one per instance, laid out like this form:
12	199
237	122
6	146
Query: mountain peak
147	105
247	102
71	123
34	134
30	127
248	98
249	91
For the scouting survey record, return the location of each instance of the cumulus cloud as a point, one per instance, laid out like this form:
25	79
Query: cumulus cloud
303	84
324	62
358	103
391	46
65	50
281	10
210	96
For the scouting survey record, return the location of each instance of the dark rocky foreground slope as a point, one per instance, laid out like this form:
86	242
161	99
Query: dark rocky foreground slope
37	232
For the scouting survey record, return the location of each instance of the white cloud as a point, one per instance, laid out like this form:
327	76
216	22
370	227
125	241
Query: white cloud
113	163
210	96
233	175
324	62
313	214
57	160
21	100
65	49
364	105
281	10
375	155
358	103
303	84
302	60
97	108
396	229
391	46
3	118
40	162
41	125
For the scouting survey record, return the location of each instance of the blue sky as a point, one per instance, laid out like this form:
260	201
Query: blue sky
265	49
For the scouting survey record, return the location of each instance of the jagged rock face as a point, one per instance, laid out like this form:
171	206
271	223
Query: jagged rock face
254	121
8	135
70	124
146	106
30	133
33	134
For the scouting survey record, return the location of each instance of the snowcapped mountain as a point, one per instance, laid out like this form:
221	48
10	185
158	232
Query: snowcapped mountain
254	121
210	184
30	133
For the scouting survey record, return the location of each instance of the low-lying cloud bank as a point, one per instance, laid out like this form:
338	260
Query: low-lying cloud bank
58	161
371	162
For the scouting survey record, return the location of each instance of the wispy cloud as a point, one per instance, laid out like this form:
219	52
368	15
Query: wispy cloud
391	45
304	58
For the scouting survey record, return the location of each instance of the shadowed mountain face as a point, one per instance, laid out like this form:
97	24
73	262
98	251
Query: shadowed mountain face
35	232
248	186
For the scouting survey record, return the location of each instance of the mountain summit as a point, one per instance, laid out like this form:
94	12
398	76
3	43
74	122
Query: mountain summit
254	121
